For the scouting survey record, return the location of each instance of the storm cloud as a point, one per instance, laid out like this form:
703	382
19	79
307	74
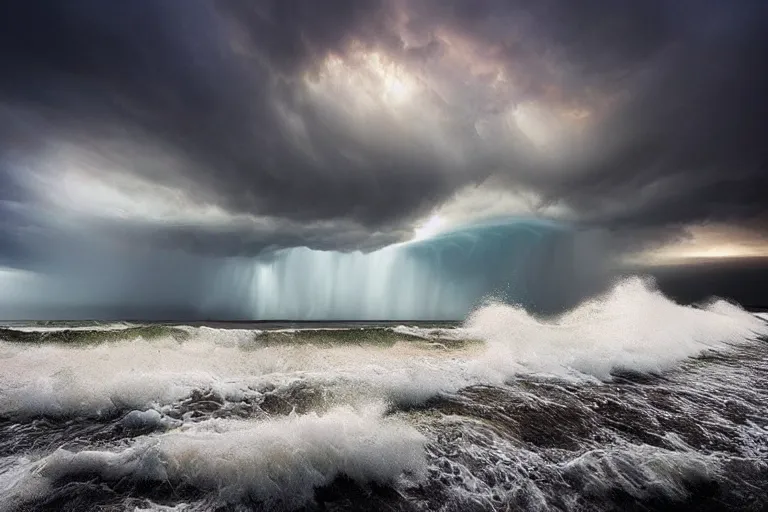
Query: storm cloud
236	128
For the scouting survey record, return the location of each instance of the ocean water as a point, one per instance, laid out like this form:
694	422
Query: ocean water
627	402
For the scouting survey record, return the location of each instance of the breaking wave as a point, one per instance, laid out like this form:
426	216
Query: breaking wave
633	327
628	398
276	464
87	335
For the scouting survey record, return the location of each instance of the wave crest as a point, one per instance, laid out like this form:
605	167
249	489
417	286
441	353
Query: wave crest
277	464
633	327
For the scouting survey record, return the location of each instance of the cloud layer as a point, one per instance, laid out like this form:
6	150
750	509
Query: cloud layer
231	128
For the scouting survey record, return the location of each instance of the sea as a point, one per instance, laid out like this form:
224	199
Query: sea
628	402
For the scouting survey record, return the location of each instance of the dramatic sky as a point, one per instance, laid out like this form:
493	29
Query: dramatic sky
142	141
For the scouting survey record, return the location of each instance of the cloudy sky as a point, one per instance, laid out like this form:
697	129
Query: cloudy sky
137	138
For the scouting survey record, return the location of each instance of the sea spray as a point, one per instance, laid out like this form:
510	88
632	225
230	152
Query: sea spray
510	410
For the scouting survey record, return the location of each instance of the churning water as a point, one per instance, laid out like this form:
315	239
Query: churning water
627	402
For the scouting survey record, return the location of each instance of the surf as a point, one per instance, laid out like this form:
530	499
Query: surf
201	416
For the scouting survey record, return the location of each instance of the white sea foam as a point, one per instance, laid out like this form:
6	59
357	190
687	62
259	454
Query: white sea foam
150	419
154	507
118	326
641	471
505	474
633	327
137	374
278	462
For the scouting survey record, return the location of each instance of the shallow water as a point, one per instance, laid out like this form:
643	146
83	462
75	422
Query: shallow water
629	402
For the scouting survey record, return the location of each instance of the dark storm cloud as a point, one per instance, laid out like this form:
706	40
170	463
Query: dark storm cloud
684	142
675	91
689	146
140	70
293	34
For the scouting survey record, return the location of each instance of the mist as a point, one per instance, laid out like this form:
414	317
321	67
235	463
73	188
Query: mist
544	266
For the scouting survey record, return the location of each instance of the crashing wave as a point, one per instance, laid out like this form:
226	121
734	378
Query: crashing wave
627	397
274	464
